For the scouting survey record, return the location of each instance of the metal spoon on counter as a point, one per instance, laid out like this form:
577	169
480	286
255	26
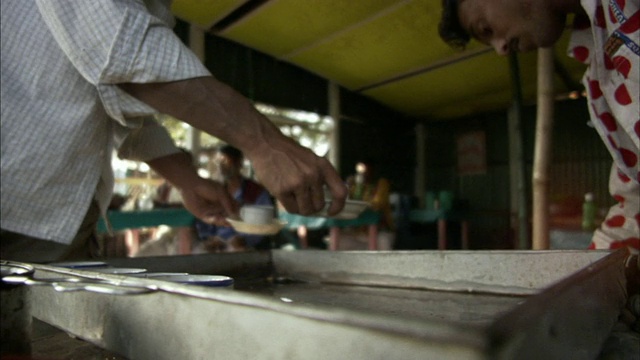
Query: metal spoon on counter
78	284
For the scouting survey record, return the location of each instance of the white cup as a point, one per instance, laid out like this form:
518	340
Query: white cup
257	214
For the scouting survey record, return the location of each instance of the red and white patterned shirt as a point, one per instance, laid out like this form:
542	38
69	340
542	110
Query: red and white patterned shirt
609	42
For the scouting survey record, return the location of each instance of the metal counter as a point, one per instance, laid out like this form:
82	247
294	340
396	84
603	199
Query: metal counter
353	305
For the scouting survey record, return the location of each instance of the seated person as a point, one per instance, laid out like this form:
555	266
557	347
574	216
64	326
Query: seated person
222	237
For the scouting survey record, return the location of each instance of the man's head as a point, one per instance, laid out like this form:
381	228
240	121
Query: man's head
506	25
229	160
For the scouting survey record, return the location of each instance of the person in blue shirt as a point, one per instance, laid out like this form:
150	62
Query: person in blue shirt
220	236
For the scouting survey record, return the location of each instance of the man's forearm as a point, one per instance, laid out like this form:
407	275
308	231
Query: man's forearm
292	173
211	106
176	168
204	198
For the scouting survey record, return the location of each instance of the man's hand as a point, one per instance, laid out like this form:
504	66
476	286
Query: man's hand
209	201
296	177
206	199
290	172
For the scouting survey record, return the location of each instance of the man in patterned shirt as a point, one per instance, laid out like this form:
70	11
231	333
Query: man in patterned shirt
82	78
606	36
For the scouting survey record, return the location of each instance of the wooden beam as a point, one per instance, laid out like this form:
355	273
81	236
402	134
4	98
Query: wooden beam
458	57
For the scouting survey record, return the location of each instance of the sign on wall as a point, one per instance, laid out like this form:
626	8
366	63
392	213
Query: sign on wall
472	153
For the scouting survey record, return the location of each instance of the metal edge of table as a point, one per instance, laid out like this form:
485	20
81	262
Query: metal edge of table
570	319
241	312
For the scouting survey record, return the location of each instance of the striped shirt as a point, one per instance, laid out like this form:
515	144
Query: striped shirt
62	113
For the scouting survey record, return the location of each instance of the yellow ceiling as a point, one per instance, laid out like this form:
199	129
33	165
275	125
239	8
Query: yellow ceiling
388	50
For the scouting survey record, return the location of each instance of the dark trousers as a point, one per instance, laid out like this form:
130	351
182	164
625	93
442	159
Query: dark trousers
19	247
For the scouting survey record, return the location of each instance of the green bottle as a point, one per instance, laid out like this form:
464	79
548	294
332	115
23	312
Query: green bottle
589	213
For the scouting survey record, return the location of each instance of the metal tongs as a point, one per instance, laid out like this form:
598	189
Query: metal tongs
23	274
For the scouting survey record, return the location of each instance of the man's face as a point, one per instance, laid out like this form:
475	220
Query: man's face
228	168
512	25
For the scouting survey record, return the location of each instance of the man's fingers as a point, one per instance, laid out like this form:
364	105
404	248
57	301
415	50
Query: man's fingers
317	197
305	204
289	202
210	202
229	205
307	197
337	188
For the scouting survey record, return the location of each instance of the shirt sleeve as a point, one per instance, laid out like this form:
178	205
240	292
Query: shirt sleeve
119	41
147	142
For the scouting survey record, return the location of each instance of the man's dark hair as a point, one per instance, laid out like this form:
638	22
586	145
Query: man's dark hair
231	152
449	28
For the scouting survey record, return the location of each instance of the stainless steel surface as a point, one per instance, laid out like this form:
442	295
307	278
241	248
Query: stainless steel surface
15	312
506	272
19	274
571	319
360	305
466	309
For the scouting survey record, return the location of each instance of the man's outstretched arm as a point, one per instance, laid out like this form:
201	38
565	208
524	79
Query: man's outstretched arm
292	173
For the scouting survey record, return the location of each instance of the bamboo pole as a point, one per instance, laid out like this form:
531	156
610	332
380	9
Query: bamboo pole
197	45
542	151
421	165
333	96
518	183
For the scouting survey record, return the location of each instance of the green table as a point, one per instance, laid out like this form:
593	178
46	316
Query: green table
172	217
133	220
368	218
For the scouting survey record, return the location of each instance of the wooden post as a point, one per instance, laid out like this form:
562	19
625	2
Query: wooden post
542	152
334	237
197	45
517	164
421	165
334	112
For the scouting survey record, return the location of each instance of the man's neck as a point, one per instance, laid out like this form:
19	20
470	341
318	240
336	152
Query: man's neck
567	6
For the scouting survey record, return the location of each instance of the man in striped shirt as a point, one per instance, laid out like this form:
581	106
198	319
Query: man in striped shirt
81	78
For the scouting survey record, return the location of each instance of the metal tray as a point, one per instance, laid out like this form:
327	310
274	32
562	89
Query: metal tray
352	305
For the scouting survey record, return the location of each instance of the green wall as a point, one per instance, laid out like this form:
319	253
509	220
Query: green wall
580	164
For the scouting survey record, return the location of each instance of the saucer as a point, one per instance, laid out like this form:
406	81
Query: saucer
80	264
257	229
158	274
218	281
118	271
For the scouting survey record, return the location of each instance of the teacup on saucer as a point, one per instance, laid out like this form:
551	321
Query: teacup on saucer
257	214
